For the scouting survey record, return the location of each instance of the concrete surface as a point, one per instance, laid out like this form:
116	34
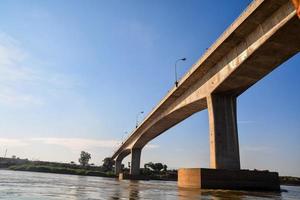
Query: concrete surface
200	178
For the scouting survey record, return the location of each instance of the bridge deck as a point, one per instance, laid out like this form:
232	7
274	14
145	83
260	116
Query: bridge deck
256	13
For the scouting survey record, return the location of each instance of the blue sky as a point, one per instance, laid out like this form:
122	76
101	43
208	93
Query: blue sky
74	74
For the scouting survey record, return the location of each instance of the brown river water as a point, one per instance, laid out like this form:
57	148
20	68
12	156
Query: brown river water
44	186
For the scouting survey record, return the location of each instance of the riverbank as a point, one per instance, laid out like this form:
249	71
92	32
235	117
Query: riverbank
33	167
30	185
18	164
289	180
60	170
284	180
74	169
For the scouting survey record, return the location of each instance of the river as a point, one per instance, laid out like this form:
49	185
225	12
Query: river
16	185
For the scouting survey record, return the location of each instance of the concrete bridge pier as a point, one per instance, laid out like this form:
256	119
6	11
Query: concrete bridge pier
135	161
223	136
118	166
225	172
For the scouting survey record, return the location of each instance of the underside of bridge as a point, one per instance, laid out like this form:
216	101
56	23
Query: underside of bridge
265	35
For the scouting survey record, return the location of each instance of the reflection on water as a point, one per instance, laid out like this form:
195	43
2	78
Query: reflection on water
37	186
226	194
133	190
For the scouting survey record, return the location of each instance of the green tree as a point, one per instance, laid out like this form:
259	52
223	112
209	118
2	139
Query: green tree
156	167
149	166
108	164
165	168
84	158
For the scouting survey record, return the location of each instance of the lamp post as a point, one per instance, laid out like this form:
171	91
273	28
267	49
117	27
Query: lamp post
137	119
176	81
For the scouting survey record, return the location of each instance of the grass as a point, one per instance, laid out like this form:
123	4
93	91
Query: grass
60	170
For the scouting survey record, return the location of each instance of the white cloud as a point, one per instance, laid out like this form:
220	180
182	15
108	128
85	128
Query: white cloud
77	143
7	142
23	79
70	143
9	96
73	144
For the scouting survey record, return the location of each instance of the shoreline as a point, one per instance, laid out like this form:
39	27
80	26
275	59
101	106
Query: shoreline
92	174
60	170
100	171
7	169
284	180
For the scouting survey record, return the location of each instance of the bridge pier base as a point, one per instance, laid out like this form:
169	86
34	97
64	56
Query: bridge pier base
135	161
224	145
200	178
123	176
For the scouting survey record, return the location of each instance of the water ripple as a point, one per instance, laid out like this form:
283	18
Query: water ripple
44	186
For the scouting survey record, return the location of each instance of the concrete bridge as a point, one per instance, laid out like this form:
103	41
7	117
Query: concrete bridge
264	36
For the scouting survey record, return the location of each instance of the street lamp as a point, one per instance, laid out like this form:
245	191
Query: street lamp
176	81
137	119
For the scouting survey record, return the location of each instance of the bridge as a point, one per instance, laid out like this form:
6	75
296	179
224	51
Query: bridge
264	36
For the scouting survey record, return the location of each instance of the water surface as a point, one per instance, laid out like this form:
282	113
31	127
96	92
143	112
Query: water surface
36	186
